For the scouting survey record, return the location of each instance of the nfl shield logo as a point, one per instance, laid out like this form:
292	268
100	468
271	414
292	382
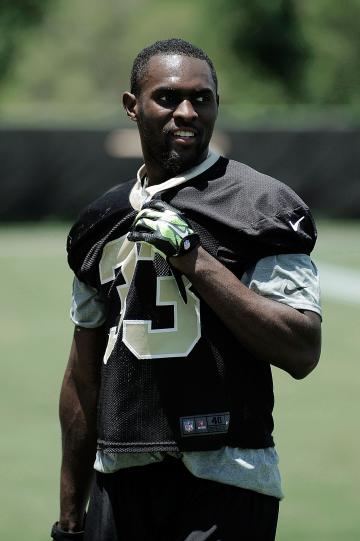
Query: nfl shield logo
189	425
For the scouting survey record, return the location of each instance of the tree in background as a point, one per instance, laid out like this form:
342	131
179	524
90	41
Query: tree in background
273	56
15	17
269	36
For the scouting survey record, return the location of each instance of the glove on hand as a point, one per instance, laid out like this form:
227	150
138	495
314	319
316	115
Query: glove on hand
61	535
164	227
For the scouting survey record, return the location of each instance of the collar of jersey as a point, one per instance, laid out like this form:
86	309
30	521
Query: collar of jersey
141	193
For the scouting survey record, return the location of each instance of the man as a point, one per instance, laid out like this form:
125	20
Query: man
189	284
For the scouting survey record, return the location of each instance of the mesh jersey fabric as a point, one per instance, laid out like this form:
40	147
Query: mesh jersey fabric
252	469
241	216
292	279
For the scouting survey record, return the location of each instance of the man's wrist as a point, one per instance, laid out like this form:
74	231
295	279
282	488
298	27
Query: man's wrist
186	264
72	520
60	534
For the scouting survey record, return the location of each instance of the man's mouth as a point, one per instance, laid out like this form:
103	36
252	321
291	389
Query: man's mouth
183	133
185	137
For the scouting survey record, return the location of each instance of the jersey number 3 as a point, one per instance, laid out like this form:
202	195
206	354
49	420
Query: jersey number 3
138	335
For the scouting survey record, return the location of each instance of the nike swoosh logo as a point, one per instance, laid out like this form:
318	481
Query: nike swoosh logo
295	226
290	290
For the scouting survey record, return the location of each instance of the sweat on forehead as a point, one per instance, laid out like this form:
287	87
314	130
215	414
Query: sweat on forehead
169	47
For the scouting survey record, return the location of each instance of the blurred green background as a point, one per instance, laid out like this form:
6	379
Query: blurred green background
67	61
285	63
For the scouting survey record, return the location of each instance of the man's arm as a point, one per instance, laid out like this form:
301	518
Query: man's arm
78	399
274	332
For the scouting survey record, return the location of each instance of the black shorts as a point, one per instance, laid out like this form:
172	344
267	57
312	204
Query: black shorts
165	502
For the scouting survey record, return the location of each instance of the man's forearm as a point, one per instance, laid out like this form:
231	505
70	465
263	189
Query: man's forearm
78	403
78	453
272	331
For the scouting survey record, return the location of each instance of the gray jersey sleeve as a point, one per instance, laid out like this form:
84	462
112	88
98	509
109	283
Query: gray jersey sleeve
291	279
87	306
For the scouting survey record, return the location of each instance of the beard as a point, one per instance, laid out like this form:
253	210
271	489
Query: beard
159	150
173	163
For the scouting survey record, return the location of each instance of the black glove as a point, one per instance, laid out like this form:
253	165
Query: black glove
164	227
61	535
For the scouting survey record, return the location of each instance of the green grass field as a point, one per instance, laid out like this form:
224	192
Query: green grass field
317	419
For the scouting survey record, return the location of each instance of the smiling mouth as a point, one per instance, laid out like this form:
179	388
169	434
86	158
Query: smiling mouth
183	133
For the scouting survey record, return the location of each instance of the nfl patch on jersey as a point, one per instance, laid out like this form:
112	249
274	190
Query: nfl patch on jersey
209	423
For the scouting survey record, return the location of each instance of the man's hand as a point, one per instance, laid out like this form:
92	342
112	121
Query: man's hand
164	227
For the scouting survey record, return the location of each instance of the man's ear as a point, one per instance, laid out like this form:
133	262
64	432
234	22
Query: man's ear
129	103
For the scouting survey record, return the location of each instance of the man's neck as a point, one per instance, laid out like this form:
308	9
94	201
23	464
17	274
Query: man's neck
155	177
156	174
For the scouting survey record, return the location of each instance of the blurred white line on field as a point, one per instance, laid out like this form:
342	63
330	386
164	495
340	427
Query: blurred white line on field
339	283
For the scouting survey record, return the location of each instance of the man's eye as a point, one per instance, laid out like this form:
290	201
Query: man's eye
202	99
166	99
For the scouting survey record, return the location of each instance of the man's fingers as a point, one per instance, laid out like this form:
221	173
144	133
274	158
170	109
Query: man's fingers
164	227
149	213
137	236
158	204
145	224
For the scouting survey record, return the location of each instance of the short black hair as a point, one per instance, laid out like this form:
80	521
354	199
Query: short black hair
166	47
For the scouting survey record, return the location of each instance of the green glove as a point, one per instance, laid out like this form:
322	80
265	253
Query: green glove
164	227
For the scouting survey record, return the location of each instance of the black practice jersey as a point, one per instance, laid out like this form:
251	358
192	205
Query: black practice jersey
174	377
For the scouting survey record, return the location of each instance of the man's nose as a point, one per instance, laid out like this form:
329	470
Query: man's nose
185	110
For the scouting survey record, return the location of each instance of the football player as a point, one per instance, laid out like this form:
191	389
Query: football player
190	282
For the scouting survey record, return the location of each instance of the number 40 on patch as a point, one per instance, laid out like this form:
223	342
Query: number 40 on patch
209	423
